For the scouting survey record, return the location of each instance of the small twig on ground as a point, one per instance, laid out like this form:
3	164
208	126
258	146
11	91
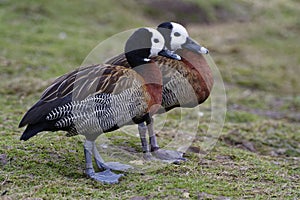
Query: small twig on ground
5	180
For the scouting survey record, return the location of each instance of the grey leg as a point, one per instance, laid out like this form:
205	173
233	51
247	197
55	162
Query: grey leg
162	154
142	131
108	165
89	169
106	176
152	138
98	159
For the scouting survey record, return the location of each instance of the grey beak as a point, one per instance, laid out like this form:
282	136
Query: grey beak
169	54
193	46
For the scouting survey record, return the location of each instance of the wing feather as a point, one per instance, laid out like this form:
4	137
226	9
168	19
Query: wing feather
78	85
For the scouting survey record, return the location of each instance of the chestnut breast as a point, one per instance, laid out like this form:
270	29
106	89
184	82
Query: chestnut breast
153	84
198	73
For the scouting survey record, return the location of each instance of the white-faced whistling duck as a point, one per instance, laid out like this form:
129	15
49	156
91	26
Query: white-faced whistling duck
186	83
101	98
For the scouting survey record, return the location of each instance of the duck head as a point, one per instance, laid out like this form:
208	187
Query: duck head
176	37
145	43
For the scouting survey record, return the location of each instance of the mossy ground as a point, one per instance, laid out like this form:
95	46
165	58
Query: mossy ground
257	51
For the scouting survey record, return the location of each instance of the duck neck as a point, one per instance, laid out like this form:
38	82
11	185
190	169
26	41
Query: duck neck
200	71
152	76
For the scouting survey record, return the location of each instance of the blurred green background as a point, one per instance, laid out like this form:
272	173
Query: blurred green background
254	43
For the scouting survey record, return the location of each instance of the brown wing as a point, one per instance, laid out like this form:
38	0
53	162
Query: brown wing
166	65
83	82
119	60
79	84
192	72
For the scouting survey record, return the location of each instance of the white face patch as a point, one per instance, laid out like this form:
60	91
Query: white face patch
178	36
157	42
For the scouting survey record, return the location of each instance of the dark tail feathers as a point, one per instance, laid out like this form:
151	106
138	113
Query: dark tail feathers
31	130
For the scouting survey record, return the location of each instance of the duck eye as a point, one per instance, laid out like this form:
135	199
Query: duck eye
176	34
156	40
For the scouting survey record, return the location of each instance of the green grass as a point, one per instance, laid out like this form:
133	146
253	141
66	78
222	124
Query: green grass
256	156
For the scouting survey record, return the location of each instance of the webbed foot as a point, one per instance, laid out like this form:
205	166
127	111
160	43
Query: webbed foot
117	166
148	156
108	165
169	156
105	177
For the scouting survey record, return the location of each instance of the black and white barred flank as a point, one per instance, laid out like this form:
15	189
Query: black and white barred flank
178	91
78	106
100	112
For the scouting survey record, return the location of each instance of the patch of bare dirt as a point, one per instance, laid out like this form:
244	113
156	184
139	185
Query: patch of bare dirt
139	198
273	114
204	195
186	12
3	159
239	142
